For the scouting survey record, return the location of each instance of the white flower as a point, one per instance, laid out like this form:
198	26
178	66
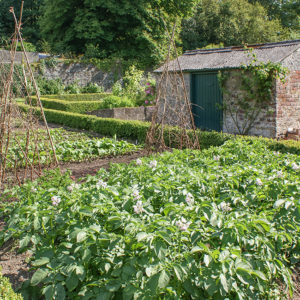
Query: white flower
136	195
189	199
153	164
138	208
33	189
72	187
295	166
276	153
182	224
101	184
138	162
279	174
55	200
225	206
258	182
217	157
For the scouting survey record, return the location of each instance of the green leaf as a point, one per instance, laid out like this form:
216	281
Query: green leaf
72	282
196	249
38	276
141	236
207	259
113	285
60	292
81	236
279	203
48	291
259	274
178	271
160	249
224	283
36	223
163	280
24	241
40	262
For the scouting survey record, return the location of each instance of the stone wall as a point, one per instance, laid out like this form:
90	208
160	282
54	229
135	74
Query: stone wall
83	74
265	124
288	103
172	105
126	113
6	59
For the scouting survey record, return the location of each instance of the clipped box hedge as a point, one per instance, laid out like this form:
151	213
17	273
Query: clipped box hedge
69	106
137	130
78	97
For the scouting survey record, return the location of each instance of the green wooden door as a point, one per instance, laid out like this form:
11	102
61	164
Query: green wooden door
206	98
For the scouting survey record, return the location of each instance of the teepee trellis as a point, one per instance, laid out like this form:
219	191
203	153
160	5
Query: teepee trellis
21	139
176	112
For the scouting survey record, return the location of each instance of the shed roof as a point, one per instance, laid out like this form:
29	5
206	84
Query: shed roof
235	57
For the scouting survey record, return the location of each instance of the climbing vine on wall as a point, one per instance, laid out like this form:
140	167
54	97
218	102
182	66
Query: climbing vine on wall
255	94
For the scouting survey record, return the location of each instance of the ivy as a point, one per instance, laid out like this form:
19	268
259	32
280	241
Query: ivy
256	92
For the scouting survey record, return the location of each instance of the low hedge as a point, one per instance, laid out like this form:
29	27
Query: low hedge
85	106
6	291
78	97
137	130
80	107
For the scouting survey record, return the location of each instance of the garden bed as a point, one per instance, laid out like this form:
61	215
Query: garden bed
228	213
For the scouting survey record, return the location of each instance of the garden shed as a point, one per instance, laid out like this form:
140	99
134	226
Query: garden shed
209	101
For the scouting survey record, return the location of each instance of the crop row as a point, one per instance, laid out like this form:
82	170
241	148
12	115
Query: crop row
212	224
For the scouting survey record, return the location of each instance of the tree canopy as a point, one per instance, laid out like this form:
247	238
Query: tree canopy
128	29
31	13
230	22
136	30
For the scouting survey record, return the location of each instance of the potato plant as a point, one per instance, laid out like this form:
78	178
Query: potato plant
70	146
218	224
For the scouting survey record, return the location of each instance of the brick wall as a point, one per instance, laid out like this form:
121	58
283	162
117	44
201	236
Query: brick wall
288	103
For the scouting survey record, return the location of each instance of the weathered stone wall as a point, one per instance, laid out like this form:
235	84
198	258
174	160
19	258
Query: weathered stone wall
172	106
126	113
288	103
265	124
83	74
5	57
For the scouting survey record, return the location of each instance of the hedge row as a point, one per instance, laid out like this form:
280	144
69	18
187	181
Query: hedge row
6	291
78	97
137	130
80	107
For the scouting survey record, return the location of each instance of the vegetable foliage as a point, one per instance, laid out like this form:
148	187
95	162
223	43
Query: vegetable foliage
221	223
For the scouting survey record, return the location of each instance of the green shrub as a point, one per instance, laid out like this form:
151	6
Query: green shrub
50	87
137	130
92	88
115	101
70	106
78	97
73	88
6	291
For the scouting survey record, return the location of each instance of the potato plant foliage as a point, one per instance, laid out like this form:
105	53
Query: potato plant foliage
70	146
221	223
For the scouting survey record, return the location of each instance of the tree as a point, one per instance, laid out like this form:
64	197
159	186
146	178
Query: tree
30	28
128	29
288	11
231	22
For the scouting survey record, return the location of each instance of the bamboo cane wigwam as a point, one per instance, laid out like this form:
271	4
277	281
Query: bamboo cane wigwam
22	135
172	106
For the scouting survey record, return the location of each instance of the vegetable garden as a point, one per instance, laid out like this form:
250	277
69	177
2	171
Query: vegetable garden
211	224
